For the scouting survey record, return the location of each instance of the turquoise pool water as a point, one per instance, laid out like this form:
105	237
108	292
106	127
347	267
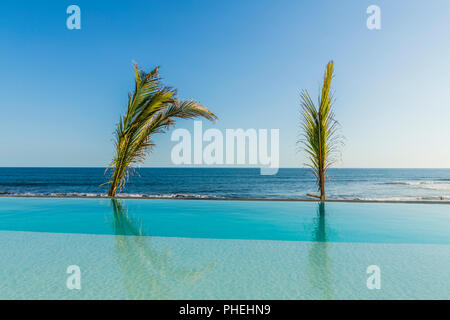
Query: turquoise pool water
203	249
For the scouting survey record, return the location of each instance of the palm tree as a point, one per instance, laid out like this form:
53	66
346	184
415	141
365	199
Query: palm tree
320	138
152	109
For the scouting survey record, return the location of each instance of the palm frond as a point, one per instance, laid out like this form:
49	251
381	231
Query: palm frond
320	137
151	109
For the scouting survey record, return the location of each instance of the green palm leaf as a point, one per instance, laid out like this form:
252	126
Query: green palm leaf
152	108
320	138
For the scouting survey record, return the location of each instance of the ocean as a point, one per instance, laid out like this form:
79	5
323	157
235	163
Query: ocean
231	183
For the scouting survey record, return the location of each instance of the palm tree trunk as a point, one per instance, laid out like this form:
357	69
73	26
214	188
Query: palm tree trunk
113	187
112	191
322	186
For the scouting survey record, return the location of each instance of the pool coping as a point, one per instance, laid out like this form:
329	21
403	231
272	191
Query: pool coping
228	199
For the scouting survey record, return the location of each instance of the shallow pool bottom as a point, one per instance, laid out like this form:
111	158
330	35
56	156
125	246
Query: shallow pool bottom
34	266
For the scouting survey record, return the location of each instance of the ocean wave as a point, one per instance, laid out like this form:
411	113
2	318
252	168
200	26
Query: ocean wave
434	185
402	199
104	195
167	196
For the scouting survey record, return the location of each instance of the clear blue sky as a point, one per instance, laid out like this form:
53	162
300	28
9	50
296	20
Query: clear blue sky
62	90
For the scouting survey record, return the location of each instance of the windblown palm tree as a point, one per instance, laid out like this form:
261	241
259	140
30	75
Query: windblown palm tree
320	138
152	109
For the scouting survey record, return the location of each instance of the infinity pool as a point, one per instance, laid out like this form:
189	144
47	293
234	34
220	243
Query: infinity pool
204	249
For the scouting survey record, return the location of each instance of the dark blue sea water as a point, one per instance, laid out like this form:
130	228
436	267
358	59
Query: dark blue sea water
381	184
